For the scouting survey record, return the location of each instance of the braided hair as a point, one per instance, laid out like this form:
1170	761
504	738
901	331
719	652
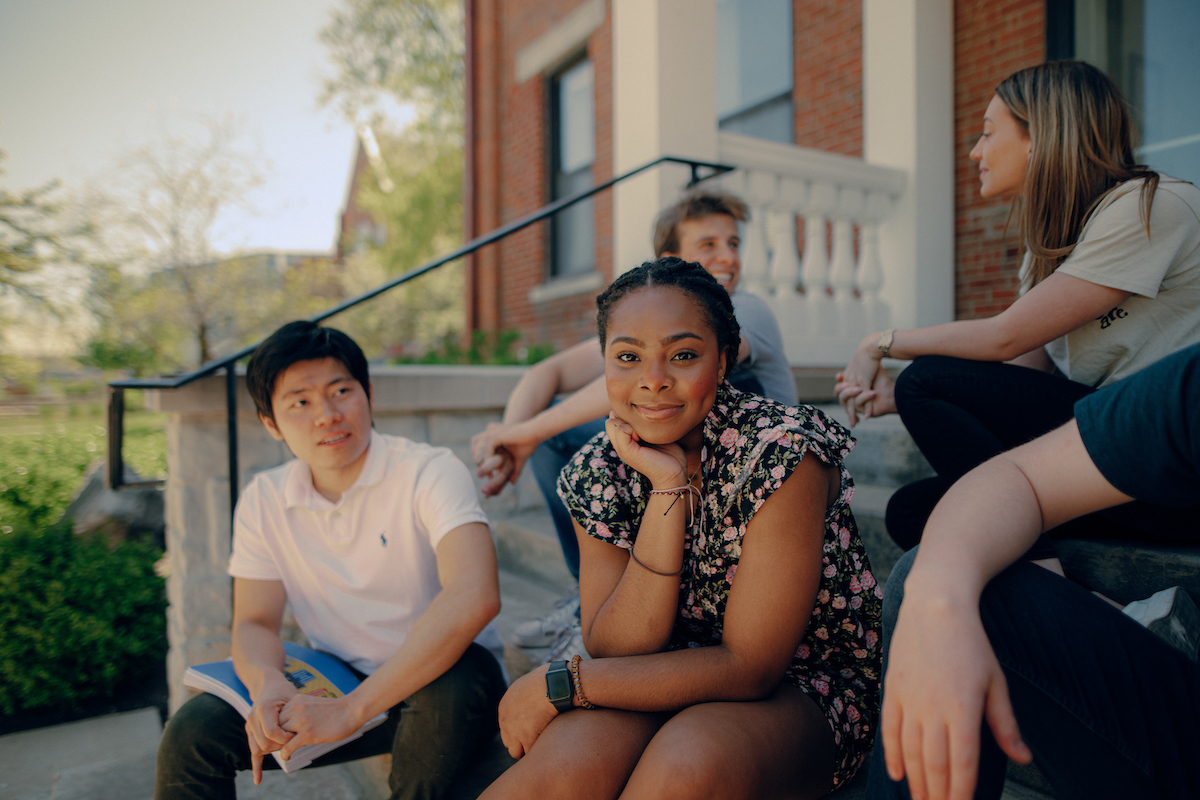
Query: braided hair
687	277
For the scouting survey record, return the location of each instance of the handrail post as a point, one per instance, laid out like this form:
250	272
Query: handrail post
231	419
116	436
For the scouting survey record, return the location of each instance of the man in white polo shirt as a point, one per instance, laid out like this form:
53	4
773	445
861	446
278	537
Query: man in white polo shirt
379	545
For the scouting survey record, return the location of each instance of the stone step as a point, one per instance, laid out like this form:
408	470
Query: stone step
527	545
1127	571
884	453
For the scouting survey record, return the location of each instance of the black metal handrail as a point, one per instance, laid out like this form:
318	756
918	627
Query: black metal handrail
116	405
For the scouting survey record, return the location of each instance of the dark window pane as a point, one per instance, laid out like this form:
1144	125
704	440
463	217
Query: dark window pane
573	136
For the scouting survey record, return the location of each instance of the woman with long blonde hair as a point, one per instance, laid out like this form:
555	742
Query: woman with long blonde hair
1110	284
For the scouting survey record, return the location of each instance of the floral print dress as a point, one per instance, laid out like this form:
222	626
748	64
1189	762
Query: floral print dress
751	446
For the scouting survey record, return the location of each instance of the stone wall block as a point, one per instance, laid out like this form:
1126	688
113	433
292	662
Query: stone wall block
451	429
220	524
410	426
197	448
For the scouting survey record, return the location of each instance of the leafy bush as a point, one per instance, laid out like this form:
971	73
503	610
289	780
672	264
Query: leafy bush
42	462
78	618
486	348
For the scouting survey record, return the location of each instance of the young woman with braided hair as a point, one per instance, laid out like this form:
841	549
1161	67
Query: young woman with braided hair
725	593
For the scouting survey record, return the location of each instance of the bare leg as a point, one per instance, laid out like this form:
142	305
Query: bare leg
582	755
781	747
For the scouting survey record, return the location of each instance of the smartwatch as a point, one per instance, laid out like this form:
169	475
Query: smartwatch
559	689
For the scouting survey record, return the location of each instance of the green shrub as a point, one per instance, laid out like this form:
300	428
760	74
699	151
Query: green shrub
77	618
43	460
487	347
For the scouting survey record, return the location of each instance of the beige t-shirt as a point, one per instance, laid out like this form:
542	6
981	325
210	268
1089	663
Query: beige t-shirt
1162	271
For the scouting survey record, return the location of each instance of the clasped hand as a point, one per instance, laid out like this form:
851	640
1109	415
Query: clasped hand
500	453
874	398
285	724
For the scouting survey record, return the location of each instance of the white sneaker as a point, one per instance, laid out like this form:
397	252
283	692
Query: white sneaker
543	631
1171	616
568	644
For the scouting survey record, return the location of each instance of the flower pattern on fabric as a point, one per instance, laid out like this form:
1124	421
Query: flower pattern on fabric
751	446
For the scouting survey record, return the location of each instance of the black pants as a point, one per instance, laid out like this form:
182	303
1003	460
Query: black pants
432	736
961	413
1108	709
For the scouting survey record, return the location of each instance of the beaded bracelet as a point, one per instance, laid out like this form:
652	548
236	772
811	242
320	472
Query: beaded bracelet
574	667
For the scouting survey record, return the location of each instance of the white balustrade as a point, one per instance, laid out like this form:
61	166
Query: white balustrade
828	297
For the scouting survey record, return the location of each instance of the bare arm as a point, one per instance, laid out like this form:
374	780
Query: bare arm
258	660
1037	358
765	618
1056	306
500	451
567	371
943	677
469	599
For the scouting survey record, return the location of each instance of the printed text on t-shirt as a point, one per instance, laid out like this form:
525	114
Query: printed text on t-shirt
1111	317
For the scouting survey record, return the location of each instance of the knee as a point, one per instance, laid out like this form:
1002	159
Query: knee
193	734
917	379
470	689
695	766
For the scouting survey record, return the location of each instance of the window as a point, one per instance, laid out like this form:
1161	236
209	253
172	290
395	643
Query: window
754	68
1149	48
573	149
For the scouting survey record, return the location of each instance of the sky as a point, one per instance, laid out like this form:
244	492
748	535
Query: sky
83	82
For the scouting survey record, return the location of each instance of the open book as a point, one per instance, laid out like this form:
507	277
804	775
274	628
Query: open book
314	673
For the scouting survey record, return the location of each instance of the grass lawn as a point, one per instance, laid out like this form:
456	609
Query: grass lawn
43	457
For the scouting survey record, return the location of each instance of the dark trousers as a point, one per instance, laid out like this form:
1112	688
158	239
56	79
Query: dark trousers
432	736
961	413
1108	709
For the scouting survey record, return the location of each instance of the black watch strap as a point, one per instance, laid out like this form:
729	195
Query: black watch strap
560	691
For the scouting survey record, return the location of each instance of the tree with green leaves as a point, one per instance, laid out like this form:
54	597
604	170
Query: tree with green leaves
406	52
32	235
407	55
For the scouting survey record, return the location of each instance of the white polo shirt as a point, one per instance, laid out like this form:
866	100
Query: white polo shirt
359	572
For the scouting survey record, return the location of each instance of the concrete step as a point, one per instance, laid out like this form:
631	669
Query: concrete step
527	545
884	453
1127	571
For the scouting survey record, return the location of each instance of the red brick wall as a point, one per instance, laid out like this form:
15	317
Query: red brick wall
827	89
992	39
510	166
353	213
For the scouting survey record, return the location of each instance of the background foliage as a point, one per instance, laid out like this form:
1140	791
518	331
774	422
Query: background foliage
78	618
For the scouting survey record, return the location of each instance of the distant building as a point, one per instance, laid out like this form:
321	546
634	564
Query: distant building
358	229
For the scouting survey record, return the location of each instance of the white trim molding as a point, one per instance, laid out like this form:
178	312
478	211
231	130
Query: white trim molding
560	42
565	287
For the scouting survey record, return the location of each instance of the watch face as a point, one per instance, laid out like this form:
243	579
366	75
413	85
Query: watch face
558	685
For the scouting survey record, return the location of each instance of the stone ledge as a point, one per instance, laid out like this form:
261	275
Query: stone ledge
397	389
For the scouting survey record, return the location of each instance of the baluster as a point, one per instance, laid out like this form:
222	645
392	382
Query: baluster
870	270
760	191
785	259
843	271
